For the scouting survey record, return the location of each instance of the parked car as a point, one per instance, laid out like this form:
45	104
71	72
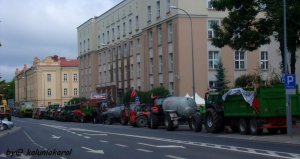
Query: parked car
5	124
38	113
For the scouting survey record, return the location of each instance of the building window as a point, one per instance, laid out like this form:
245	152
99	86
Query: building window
240	60
149	13
212	84
75	91
83	45
209	4
213	59
131	71
48	77
65	77
210	31
264	62
138	45
171	88
108	37
150	39
49	103
113	33
75	77
138	70
49	92
65	91
124	29
88	44
130	26
99	43
171	62
160	64
168	4
137	26
157	9
151	66
170	32
159	36
103	38
118	32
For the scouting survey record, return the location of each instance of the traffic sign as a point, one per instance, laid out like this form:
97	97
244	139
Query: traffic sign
290	84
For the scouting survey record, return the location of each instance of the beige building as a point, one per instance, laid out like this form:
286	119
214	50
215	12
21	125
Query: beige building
147	44
54	80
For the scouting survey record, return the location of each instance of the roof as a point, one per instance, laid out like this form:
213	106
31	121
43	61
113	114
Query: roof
69	63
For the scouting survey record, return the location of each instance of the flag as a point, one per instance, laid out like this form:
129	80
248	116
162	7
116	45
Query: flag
133	93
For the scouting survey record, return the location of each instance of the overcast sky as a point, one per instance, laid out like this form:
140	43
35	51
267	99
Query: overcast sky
40	28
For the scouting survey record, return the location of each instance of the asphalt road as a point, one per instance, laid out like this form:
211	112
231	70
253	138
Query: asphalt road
52	139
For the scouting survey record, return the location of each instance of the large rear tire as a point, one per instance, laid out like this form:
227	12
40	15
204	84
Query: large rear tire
168	122
213	121
153	121
254	127
244	126
141	121
196	123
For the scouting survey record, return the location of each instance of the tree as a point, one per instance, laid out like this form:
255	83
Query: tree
251	23
221	83
77	100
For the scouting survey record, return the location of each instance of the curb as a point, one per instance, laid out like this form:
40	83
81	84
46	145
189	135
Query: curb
9	131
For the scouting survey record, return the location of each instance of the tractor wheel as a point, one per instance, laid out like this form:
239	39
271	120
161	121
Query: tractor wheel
153	121
141	121
168	122
196	123
244	126
213	121
254	127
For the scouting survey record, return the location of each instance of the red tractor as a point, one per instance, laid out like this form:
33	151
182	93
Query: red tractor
139	115
156	115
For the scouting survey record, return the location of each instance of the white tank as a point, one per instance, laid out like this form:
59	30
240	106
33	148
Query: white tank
184	106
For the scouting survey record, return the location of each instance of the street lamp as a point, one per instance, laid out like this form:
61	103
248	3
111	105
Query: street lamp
193	69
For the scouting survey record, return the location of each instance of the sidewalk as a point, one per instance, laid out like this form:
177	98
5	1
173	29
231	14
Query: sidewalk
279	138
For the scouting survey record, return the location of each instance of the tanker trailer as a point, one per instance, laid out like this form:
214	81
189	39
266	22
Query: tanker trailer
181	109
113	114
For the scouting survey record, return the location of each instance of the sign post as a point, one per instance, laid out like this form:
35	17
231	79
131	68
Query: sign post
290	89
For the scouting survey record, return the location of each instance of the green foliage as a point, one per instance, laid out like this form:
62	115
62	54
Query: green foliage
76	100
247	80
242	30
221	83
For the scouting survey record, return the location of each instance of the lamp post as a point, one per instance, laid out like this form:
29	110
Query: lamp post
192	38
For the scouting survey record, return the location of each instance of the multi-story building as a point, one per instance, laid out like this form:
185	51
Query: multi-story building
54	80
147	44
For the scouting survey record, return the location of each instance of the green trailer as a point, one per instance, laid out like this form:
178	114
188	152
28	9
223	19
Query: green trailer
265	109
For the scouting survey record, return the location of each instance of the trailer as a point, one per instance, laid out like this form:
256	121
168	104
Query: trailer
250	111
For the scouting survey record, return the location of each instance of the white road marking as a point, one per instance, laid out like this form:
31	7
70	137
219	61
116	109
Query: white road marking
92	151
95	134
144	150
55	137
34	141
121	145
103	141
87	137
162	146
201	144
174	157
